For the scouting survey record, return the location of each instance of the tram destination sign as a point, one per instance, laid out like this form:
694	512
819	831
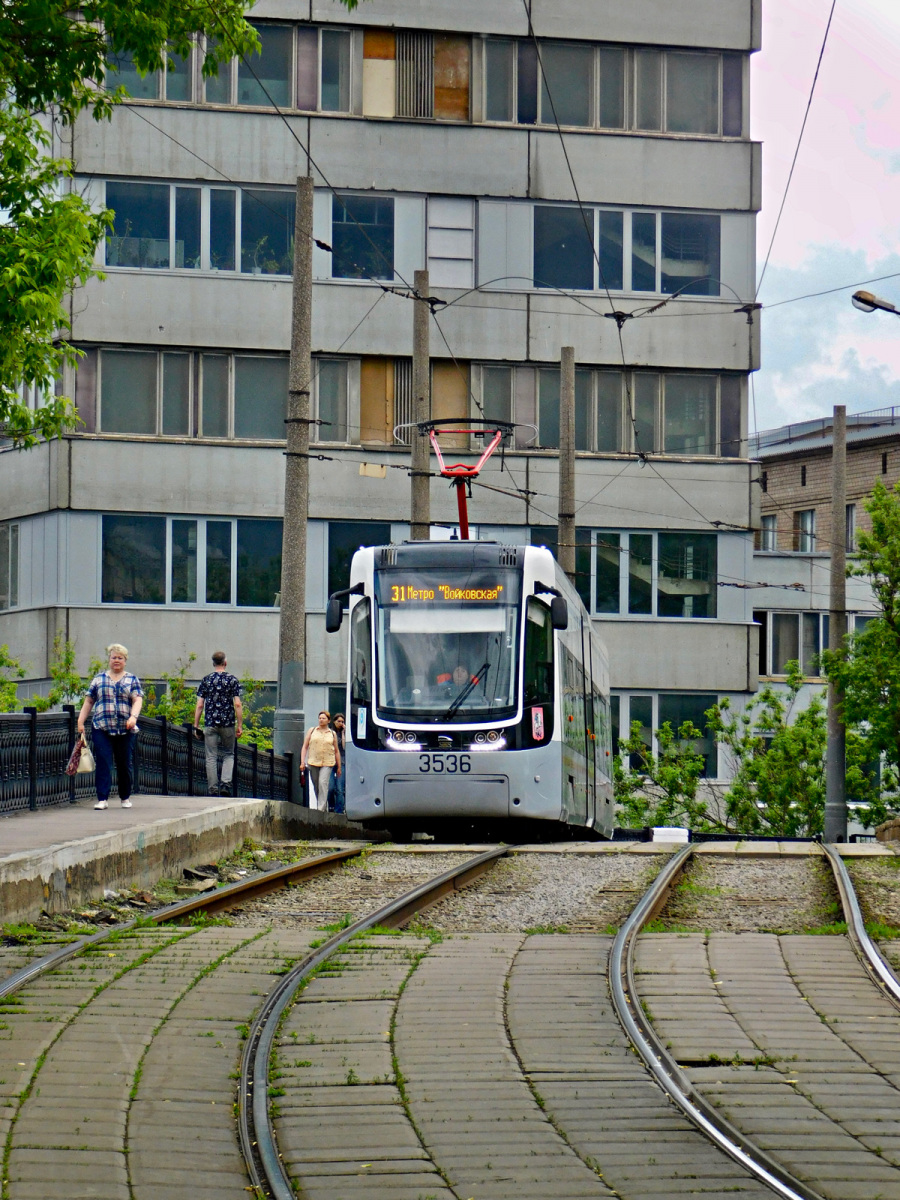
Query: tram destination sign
404	593
413	588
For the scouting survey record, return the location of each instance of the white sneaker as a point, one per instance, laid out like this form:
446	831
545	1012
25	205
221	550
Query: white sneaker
101	804
126	804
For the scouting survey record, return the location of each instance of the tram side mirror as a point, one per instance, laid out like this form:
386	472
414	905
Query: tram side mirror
559	613
334	614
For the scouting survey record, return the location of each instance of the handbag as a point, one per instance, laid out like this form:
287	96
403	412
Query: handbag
86	762
81	760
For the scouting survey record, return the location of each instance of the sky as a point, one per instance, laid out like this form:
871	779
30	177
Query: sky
841	220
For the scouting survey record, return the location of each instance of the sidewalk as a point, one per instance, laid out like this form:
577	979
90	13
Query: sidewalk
58	857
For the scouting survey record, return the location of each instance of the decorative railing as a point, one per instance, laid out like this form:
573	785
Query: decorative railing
168	761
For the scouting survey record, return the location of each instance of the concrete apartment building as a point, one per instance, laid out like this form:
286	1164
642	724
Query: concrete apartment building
552	163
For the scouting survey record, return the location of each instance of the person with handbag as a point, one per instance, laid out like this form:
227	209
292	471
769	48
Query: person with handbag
321	753
115	699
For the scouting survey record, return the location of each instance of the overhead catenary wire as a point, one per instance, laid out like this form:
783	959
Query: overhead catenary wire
641	454
797	148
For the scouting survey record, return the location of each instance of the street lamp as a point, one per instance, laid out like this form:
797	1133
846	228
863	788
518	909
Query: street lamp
866	302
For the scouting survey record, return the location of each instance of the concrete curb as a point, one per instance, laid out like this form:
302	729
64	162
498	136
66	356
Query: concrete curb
57	877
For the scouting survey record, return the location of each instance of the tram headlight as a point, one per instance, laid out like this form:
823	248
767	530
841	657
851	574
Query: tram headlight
493	735
481	737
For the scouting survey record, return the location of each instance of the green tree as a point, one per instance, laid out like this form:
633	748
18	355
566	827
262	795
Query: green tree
778	758
661	789
52	64
255	732
178	701
867	667
11	671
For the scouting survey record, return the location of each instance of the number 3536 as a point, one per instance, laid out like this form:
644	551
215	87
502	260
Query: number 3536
445	764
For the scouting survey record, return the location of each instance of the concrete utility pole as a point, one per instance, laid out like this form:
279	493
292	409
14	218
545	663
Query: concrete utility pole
836	753
289	717
420	524
565	550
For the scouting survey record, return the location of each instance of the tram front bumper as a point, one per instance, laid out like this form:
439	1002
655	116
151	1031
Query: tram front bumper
477	796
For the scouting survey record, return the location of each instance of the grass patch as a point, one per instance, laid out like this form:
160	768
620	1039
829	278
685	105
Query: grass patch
832	930
547	929
882	932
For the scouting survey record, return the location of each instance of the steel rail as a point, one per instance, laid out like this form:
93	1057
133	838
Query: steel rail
257	1137
866	950
210	902
665	1070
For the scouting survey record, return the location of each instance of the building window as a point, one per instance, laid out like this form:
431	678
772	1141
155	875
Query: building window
567	84
190	561
582	249
331	389
805	531
344	539
335	72
499	80
9	566
362	237
612	87
158	226
790	636
620	411
655	574
675	708
850	528
768	534
803	476
122	72
180	394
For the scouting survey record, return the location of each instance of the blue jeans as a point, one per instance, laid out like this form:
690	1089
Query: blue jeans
109	748
336	791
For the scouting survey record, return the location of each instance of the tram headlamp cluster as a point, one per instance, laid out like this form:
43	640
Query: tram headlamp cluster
492	739
402	739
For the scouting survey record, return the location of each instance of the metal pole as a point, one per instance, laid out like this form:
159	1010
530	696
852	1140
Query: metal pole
289	719
565	549
420	523
836	756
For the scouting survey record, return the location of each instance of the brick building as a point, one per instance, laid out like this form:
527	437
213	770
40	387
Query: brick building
795	478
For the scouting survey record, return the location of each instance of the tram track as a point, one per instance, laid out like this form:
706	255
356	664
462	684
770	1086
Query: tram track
570	1084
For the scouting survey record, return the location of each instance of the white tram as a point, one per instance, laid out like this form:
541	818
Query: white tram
477	690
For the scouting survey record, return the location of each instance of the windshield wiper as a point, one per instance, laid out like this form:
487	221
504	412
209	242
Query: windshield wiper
466	690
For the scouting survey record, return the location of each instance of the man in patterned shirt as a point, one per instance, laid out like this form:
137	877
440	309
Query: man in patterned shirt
220	695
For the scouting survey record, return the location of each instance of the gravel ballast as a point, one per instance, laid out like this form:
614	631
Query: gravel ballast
760	895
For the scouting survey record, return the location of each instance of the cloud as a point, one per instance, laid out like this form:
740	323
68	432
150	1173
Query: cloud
821	351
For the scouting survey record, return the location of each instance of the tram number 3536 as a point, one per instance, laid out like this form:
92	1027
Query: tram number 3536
445	764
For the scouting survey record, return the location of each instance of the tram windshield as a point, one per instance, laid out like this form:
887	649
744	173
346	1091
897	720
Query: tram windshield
446	651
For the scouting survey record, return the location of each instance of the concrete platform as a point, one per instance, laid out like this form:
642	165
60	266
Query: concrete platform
56	858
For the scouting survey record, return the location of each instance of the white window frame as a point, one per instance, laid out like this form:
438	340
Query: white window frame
199	603
625	535
768	532
12	581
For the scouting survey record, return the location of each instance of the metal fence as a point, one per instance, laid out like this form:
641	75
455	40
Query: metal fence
168	761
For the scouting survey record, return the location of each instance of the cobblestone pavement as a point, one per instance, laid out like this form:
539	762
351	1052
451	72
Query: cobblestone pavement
790	1038
472	1063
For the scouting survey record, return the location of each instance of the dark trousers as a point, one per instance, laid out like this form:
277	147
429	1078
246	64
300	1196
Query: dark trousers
109	748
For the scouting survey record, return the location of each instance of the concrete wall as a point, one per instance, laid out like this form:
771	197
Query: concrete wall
730	24
250	312
681	655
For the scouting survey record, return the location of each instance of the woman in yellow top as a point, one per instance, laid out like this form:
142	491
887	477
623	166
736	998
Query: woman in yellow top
320	754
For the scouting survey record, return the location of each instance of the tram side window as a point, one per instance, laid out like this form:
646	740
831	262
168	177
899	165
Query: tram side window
538	675
361	653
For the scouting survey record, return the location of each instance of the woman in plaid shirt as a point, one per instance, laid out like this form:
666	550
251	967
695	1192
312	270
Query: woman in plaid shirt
115	697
